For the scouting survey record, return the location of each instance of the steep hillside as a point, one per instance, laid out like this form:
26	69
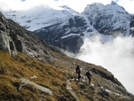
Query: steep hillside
21	76
15	38
32	70
14	70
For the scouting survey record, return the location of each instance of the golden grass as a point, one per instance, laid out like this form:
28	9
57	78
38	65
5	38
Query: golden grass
52	76
22	66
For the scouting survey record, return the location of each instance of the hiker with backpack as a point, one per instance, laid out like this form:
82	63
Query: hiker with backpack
78	72
88	74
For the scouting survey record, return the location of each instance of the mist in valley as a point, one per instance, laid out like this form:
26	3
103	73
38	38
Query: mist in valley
116	55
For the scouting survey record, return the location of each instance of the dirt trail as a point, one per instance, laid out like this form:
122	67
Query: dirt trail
69	88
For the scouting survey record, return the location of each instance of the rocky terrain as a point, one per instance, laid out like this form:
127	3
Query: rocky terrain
16	39
32	70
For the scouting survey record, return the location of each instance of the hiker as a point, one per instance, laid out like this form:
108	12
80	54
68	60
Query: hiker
88	76
78	72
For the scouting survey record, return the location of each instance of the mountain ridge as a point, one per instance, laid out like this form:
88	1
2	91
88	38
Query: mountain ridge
60	26
110	15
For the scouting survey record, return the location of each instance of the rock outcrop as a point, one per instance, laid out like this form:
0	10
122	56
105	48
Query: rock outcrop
26	82
6	38
15	38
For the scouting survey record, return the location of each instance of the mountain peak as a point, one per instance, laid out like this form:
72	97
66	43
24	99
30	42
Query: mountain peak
111	15
113	3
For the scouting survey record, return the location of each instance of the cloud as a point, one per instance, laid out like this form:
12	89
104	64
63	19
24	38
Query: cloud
24	4
77	5
116	56
128	5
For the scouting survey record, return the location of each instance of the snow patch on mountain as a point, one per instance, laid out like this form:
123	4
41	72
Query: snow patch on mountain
40	16
108	18
72	34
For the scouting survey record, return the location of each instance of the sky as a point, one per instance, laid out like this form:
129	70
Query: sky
77	5
116	55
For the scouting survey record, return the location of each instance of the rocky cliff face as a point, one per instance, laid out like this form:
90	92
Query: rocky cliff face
6	38
16	39
65	32
66	35
52	73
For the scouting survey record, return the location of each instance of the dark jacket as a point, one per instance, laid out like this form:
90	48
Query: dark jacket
88	74
77	69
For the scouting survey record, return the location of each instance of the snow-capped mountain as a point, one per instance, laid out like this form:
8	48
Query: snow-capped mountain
66	28
40	16
56	26
108	18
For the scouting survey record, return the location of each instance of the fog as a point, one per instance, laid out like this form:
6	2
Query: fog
116	55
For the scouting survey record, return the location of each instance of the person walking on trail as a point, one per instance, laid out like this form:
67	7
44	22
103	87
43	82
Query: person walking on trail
88	76
78	72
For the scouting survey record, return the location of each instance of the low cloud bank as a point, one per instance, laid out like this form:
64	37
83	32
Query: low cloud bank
116	55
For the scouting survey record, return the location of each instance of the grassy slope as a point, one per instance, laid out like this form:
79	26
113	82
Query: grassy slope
51	76
21	66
